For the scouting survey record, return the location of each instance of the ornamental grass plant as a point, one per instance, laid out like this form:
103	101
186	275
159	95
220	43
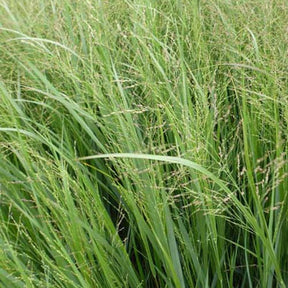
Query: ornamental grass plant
143	143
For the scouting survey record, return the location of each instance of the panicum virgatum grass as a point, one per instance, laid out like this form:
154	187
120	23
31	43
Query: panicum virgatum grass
143	143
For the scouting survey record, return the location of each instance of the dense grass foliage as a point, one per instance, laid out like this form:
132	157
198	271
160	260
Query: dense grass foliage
143	143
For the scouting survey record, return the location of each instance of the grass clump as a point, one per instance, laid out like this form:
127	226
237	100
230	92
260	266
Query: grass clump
143	143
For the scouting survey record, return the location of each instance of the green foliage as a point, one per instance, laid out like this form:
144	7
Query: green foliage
143	143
